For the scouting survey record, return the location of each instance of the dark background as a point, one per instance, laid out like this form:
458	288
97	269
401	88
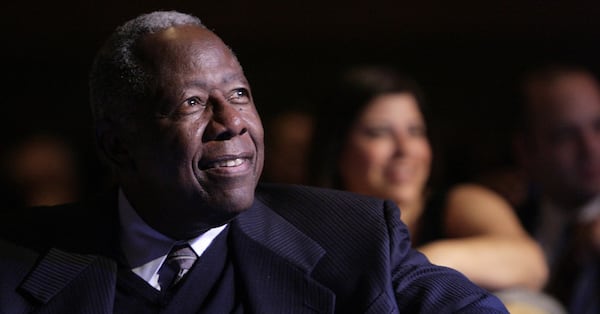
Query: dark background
466	55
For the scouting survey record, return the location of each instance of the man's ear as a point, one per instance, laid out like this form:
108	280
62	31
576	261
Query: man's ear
111	143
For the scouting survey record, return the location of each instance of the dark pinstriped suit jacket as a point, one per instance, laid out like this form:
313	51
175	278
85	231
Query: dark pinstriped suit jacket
298	249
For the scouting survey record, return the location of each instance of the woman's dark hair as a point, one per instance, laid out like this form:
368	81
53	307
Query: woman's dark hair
341	106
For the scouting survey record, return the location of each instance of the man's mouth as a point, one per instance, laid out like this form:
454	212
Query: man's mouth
226	163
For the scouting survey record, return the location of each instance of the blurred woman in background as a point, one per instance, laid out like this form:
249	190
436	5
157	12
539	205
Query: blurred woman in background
372	138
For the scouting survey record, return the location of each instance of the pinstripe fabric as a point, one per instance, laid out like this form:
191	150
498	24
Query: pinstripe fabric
54	272
296	250
72	282
348	254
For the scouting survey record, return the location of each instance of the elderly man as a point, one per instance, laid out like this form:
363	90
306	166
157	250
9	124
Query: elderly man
186	230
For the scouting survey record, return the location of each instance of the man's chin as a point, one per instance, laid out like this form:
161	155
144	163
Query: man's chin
235	202
239	205
227	207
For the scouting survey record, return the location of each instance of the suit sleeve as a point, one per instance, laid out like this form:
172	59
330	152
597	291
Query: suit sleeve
421	287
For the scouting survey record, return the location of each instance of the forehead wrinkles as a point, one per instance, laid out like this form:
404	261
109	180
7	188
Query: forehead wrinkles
206	83
187	47
213	60
207	54
204	69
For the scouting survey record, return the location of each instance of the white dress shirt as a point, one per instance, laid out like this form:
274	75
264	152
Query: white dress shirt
145	248
555	220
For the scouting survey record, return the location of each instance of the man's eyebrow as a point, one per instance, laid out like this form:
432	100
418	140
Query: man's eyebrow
235	77
226	79
195	83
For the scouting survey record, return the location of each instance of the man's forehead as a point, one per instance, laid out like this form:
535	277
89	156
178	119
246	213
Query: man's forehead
561	84
188	47
183	32
205	81
181	38
564	94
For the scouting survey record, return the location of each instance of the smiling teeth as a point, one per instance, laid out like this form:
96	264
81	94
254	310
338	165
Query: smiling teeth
229	163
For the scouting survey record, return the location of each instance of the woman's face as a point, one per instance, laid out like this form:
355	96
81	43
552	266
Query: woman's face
387	153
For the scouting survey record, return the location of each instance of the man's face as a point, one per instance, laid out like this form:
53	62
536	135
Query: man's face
566	137
197	147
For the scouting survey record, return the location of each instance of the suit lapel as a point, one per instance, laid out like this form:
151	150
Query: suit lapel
84	281
275	261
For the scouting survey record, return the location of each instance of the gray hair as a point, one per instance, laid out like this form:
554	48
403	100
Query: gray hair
118	79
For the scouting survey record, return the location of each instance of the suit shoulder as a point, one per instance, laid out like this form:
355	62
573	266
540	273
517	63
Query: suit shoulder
308	204
288	194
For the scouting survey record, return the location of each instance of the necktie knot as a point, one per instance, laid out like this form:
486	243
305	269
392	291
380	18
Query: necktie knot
176	265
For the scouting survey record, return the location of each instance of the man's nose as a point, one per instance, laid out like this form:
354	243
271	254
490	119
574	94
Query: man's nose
226	120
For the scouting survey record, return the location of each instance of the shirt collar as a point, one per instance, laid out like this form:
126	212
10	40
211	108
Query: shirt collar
145	248
586	213
590	211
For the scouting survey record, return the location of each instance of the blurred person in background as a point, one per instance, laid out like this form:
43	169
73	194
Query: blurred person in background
558	148
374	139
42	168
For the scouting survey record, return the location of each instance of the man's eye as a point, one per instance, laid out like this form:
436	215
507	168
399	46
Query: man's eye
240	96
194	101
241	92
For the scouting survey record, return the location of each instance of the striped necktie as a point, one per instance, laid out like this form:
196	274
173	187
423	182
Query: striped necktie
176	265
